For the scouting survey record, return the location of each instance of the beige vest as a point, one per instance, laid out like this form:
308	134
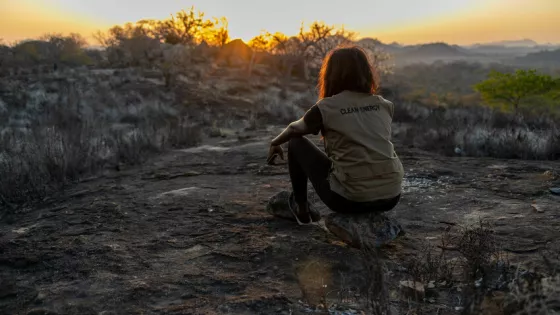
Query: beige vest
357	135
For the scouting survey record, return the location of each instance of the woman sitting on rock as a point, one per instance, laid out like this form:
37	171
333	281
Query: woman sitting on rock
360	172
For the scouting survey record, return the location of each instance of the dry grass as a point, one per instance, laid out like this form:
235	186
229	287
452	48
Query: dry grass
376	288
534	293
59	129
470	268
432	264
277	107
477	132
35	164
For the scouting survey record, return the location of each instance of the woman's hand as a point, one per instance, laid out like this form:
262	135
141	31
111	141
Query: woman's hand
273	152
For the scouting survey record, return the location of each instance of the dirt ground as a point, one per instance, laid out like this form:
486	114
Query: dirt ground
186	233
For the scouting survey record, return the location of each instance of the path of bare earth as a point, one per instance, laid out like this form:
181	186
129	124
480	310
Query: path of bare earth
186	233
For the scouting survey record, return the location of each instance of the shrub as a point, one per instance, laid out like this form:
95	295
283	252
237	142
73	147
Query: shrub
478	132
56	133
46	159
280	107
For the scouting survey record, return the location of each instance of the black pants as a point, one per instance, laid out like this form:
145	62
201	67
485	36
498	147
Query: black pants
307	161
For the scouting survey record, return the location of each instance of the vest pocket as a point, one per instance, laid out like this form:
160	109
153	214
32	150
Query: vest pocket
371	171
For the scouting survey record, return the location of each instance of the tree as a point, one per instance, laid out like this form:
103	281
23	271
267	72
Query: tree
218	34
117	34
52	48
66	48
508	90
310	46
304	48
379	58
185	27
259	44
324	38
554	93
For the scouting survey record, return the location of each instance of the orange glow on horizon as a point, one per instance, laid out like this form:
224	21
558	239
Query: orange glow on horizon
460	22
479	26
23	21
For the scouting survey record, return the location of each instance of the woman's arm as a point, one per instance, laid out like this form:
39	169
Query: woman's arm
310	123
296	128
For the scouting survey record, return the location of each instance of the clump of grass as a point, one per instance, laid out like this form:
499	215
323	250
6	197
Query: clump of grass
48	158
472	263
536	293
478	132
432	264
279	107
59	129
375	289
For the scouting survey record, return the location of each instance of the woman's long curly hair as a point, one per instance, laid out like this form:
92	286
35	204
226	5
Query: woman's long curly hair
346	68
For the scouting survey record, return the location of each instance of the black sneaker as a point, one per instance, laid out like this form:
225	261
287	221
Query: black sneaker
283	205
357	230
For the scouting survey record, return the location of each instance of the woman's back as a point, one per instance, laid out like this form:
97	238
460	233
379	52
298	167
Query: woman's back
357	135
357	127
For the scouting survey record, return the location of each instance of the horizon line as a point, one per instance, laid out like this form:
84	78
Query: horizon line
502	42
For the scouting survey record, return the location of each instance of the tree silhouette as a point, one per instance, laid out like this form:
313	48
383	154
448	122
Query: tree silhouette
218	34
185	27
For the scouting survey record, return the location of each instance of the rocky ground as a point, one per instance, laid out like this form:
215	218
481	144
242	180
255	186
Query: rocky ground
186	234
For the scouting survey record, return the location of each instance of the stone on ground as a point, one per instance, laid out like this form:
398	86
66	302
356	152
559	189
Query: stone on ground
373	229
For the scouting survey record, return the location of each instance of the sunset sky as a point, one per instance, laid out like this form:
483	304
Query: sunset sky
404	21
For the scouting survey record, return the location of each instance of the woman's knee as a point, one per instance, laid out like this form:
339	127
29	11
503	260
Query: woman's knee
297	142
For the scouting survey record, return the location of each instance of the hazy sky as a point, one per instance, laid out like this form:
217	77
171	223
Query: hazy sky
405	21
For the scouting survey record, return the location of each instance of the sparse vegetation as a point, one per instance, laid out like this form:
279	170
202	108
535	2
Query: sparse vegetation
477	131
468	267
67	128
509	91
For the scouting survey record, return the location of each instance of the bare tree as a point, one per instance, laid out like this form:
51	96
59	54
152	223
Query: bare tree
259	44
317	38
115	35
293	51
381	59
102	38
54	48
310	46
218	34
184	28
324	39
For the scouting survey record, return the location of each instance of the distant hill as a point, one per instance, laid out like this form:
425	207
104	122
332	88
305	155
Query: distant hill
389	48
434	49
525	52
547	58
503	51
511	48
428	53
510	43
